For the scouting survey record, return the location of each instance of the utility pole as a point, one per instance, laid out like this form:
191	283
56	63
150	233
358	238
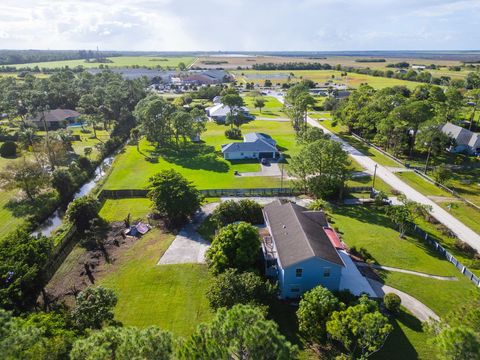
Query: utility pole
374	176
428	158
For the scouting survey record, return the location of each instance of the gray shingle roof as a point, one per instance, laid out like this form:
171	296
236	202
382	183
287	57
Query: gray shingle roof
462	136
57	115
298	234
254	136
258	145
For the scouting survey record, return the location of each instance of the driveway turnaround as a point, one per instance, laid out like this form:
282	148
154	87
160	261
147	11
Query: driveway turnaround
189	246
462	231
417	308
271	169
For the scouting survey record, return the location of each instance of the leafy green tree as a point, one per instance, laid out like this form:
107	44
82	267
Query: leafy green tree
126	343
173	196
453	103
310	135
154	114
442	174
320	205
234	102
267	83
458	343
82	211
432	140
392	302
182	66
22	259
231	211
232	287
400	215
94	308
474	96
235	246
321	168
182	125
25	175
259	103
241	332
361	329
314	310
63	182
8	149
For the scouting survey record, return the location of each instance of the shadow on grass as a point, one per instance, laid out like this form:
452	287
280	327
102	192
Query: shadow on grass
398	346
38	207
192	156
371	215
285	316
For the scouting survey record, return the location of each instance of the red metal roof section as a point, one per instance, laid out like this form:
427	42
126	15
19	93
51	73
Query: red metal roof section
333	237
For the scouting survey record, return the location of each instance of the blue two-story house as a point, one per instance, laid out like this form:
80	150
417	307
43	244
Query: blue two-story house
299	252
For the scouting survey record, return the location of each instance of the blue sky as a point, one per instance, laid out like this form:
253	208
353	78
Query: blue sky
211	25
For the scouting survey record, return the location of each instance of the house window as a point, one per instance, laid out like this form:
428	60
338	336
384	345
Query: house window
298	273
241	154
295	289
326	272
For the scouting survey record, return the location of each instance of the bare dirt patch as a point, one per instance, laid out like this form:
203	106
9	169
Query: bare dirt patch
84	267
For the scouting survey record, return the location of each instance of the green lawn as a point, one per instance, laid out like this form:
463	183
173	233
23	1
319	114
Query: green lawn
117	210
368	228
169	296
120	61
463	212
273	108
407	341
202	164
320	76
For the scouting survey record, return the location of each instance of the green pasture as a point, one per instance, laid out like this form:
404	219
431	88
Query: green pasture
118	61
352	80
202	164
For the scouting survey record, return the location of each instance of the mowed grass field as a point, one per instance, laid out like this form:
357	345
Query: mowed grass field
371	229
272	109
118	61
202	164
320	76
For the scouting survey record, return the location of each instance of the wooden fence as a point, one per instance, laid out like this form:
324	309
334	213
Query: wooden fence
67	242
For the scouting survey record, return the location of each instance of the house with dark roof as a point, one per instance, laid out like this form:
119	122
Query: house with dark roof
55	119
254	146
466	141
302	252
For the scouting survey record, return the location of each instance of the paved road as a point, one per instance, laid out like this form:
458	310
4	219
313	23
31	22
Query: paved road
462	231
417	308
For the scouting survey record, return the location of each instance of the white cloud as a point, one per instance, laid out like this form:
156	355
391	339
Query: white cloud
239	24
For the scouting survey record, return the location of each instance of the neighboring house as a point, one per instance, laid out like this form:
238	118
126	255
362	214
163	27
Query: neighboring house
466	141
219	112
55	119
303	252
254	146
419	67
